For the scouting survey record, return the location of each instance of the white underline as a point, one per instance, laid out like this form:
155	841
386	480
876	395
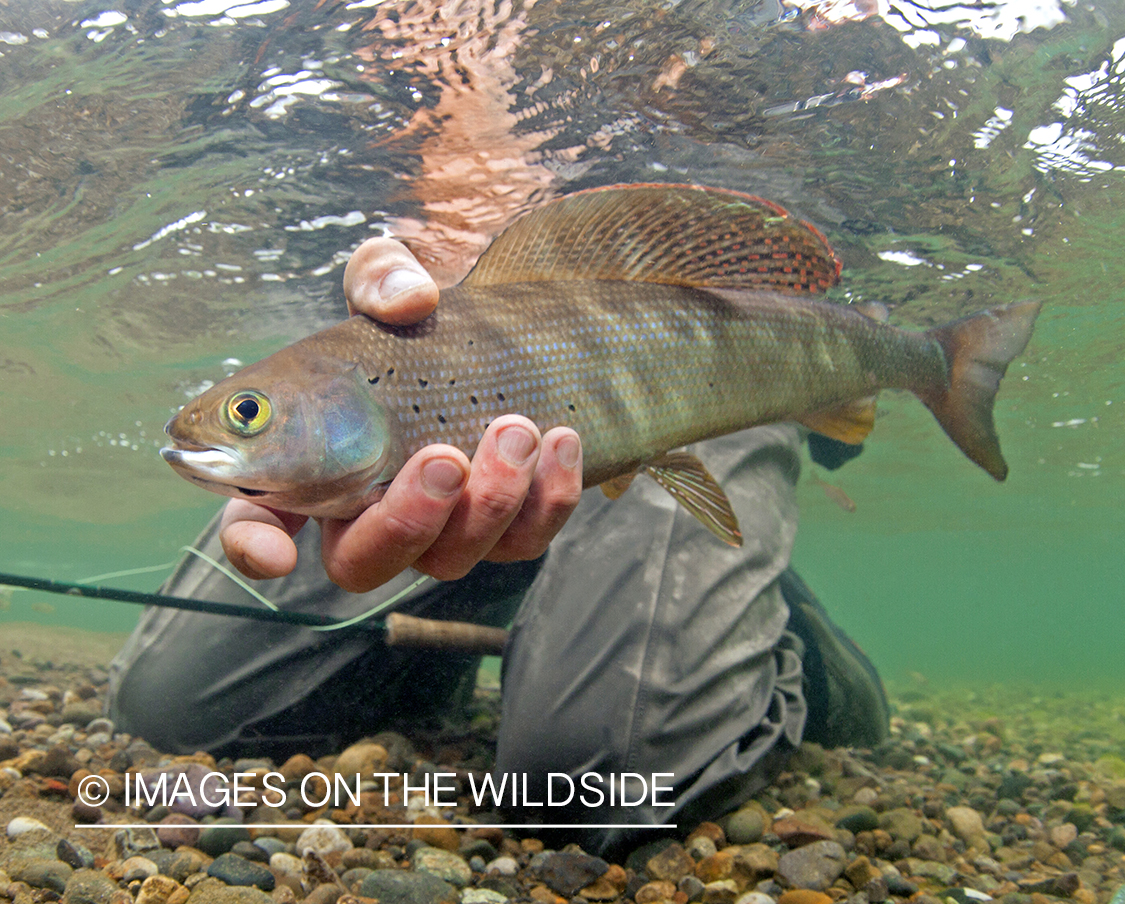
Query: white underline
377	825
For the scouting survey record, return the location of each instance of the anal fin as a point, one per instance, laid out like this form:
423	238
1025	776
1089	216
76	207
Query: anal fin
615	486
849	423
691	484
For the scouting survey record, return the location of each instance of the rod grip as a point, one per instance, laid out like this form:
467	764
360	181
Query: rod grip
411	631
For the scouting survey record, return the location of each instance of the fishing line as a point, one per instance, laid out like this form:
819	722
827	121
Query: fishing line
335	626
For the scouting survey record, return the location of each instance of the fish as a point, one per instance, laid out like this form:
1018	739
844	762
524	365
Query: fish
646	316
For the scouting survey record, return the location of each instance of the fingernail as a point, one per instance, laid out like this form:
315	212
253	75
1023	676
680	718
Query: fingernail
515	444
567	450
399	281
442	477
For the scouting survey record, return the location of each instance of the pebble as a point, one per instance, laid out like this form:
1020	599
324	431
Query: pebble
364	757
219	838
213	891
162	890
966	822
22	825
443	864
503	866
671	864
324	840
754	897
235	870
816	865
178	829
138	867
38	872
567	872
392	886
745	826
128	842
482	896
74	854
90	886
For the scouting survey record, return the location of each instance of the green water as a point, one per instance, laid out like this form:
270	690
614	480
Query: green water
165	172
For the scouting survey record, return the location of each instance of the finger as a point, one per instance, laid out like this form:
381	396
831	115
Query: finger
554	494
389	536
384	281
257	540
502	471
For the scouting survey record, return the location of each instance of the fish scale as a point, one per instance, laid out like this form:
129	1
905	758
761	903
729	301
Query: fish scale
646	317
641	368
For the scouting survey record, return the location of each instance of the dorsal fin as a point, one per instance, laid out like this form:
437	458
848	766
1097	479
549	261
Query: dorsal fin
685	235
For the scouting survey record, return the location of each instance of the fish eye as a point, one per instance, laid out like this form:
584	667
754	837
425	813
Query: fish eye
247	412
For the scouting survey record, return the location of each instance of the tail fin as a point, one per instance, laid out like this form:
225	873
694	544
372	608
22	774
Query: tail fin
978	350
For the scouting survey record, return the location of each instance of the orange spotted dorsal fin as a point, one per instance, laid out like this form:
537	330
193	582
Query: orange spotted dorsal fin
691	484
686	235
849	423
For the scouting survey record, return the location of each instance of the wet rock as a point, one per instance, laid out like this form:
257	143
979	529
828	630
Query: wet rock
219	838
566	872
128	842
754	897
38	872
443	864
692	888
324	840
188	785
804	896
324	894
235	870
932	869
74	854
392	886
796	832
902	824
745	826
861	871
90	886
967	824
503	866
857	819
722	892
138	867
178	829
24	825
250	851
213	891
364	757
816	865
754	862
482	896
671	864
655	891
162	890
177	865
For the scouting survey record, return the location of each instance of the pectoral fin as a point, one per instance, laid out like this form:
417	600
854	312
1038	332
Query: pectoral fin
692	485
849	423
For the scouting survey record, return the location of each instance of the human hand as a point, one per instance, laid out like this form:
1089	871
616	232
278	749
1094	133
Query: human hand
442	513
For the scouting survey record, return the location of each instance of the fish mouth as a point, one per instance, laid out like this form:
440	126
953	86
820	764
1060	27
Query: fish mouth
206	466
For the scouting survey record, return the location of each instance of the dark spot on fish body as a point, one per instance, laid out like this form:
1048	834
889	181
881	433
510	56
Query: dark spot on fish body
441	418
373	380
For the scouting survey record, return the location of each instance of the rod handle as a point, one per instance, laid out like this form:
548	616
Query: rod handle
411	631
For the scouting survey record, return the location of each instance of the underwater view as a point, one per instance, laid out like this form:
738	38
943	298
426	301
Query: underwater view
182	183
